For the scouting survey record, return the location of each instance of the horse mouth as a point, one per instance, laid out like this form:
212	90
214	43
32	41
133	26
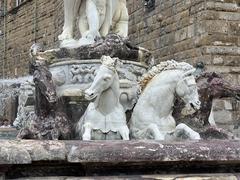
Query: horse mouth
195	106
90	97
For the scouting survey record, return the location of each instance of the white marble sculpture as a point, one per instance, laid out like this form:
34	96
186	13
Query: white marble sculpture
25	105
152	115
95	18
105	114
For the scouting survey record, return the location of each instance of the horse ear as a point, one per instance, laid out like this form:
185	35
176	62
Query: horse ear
103	58
190	72
117	62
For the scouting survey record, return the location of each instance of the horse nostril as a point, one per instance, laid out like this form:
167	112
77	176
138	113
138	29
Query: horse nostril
199	102
89	93
92	94
192	106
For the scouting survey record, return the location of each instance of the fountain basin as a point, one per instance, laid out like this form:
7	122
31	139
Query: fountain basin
72	77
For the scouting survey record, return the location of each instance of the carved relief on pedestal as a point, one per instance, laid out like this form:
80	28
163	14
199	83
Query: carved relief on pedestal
82	73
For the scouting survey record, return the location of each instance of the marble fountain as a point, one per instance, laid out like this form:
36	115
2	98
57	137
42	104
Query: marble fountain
101	106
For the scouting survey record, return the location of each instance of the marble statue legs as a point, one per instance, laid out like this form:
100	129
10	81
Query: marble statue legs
95	19
89	28
70	12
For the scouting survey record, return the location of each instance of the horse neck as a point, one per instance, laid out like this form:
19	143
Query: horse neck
108	100
165	89
42	106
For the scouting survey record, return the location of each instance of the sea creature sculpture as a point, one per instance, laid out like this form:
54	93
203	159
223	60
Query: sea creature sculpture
47	122
105	117
152	116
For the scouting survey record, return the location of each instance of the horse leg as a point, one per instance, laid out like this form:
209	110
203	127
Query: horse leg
153	130
124	132
192	135
87	132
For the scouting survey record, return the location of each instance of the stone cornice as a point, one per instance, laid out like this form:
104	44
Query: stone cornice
124	152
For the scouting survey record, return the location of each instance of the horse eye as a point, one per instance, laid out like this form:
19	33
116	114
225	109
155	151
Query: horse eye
107	78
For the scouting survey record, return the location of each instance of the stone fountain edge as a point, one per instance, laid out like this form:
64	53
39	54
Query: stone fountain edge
18	152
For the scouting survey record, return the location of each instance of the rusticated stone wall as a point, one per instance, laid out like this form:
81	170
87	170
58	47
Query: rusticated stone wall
193	31
189	30
32	21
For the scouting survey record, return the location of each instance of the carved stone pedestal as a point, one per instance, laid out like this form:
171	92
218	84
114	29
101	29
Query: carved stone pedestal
119	158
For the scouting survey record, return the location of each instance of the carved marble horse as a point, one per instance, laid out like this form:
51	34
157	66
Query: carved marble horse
210	86
47	122
152	116
105	117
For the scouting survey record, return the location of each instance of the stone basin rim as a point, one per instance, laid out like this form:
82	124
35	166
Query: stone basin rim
63	62
112	152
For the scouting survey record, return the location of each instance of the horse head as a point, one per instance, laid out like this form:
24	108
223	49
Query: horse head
218	87
187	90
104	78
42	78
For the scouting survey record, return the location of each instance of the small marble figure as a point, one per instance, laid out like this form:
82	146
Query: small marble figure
105	117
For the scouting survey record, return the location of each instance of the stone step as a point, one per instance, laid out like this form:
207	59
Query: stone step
149	177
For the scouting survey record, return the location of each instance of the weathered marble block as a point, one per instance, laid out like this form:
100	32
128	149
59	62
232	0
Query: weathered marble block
114	158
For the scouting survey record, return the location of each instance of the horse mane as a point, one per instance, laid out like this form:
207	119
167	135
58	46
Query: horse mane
163	66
